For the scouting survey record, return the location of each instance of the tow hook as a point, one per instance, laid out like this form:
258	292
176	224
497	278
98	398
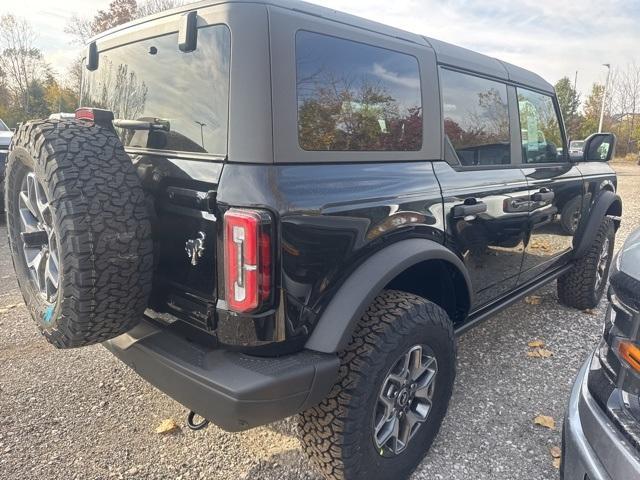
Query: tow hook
196	426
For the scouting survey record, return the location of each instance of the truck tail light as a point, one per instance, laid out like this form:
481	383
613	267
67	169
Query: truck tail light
247	258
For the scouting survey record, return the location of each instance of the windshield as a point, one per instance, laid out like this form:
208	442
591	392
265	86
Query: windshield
3	126
153	79
577	144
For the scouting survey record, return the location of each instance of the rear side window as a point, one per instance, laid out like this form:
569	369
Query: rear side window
476	119
540	128
356	97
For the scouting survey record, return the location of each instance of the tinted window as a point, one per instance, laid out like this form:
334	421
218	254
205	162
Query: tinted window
3	127
476	118
353	96
540	128
153	79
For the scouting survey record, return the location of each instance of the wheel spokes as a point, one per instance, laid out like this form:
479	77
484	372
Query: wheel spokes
405	400
39	242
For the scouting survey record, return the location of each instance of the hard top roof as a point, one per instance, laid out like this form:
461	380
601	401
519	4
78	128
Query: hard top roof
446	53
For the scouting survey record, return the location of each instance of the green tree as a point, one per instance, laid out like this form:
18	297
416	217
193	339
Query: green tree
569	100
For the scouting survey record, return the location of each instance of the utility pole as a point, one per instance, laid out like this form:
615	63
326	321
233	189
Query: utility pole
604	96
575	82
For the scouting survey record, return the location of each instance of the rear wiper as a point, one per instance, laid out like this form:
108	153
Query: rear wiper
156	124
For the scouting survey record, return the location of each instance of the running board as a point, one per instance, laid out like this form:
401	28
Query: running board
492	309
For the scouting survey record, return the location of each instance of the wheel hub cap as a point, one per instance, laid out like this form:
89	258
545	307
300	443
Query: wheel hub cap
39	242
405	400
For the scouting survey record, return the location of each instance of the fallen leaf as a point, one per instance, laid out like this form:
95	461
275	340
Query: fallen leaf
555	452
589	311
533	300
556	463
536	344
167	426
545	421
539	353
545	353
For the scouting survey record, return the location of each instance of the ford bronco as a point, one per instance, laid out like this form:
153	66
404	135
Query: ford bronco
269	208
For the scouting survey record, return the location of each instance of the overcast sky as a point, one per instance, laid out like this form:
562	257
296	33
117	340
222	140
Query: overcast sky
551	37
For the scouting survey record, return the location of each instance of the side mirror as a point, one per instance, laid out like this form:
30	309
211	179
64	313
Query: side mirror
599	147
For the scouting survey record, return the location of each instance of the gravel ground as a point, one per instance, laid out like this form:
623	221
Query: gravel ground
80	414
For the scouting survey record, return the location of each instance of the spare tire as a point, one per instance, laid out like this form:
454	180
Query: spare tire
79	231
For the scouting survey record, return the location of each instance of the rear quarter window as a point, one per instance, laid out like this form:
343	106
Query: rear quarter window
356	97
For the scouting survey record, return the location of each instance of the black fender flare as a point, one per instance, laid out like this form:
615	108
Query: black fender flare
603	203
336	324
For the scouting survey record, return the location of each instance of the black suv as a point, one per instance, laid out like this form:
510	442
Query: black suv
271	208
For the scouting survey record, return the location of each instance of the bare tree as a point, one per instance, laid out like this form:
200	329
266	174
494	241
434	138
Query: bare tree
118	12
625	106
21	63
156	6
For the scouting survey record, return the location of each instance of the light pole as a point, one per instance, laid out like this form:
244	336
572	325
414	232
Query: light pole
604	96
202	125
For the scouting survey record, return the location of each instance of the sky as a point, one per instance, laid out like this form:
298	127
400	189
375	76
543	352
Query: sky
554	38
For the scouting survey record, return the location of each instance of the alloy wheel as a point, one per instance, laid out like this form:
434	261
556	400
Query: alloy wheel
39	241
405	400
603	261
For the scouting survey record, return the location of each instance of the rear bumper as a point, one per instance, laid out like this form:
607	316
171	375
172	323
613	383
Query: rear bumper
593	448
233	390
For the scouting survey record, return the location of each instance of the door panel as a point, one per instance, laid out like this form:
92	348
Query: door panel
555	184
555	203
489	235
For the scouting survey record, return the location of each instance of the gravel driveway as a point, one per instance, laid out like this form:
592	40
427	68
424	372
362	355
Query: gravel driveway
82	414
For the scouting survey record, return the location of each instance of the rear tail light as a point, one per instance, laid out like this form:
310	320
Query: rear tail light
247	259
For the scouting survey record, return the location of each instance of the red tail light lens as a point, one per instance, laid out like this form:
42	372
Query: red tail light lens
247	257
85	114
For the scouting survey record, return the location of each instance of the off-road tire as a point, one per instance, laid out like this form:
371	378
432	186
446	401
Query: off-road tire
99	215
337	434
577	288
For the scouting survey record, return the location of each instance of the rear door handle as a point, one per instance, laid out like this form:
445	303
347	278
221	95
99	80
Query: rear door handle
461	211
543	195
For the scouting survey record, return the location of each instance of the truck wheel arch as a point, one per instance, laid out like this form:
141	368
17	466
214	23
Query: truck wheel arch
607	203
338	320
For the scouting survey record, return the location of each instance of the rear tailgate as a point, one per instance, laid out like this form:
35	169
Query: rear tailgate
185	228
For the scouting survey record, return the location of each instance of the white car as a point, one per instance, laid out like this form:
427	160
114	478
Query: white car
5	139
575	148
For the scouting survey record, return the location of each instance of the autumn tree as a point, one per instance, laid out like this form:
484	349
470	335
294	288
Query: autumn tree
591	111
118	12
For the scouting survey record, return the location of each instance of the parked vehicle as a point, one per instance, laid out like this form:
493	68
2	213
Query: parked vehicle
576	148
601	435
271	208
5	139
